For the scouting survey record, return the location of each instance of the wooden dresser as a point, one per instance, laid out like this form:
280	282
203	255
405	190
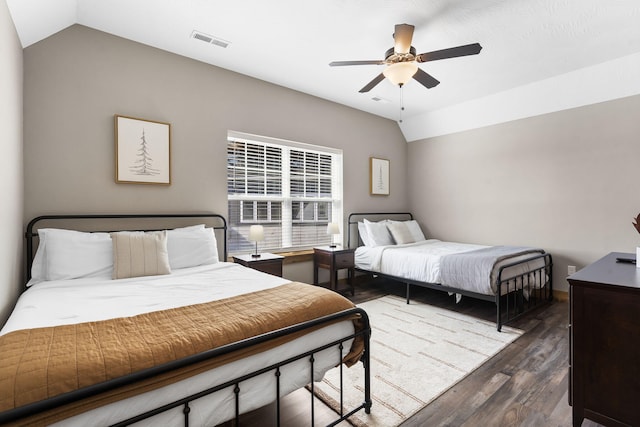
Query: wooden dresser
604	372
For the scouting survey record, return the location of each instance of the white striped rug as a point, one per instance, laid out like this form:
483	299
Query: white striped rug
417	352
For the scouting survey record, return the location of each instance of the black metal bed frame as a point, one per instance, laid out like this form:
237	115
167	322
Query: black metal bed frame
86	392
516	294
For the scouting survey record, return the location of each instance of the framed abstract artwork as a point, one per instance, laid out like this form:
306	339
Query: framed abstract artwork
143	151
378	177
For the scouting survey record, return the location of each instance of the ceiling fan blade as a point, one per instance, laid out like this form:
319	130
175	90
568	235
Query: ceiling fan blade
425	79
372	83
452	52
402	36
341	63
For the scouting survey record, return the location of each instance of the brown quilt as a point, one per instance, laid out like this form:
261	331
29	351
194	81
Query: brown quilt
39	363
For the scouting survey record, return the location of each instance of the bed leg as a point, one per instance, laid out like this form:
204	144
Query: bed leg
408	292
366	360
499	309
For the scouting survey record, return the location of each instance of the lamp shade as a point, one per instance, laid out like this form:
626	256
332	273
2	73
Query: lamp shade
333	228
400	72
256	233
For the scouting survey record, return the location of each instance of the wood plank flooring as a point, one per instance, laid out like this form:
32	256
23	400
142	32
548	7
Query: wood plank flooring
523	385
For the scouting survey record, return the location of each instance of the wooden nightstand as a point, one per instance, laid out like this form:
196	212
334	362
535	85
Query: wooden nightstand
267	262
334	259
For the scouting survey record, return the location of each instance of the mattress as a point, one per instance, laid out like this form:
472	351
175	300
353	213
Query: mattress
421	262
75	301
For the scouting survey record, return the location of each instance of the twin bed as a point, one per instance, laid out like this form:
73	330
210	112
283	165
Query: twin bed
153	327
392	245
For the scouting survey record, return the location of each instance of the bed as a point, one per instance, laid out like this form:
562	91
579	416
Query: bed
149	325
392	245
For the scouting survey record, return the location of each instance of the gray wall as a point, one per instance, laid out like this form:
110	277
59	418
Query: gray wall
567	182
77	79
562	181
11	172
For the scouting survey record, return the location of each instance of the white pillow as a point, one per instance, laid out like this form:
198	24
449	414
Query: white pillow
364	236
378	233
68	254
400	233
38	266
191	246
415	230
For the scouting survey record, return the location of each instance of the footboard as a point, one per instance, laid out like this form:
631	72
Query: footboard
522	292
24	415
521	286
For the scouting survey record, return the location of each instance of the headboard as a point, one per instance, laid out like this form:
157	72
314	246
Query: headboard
123	222
352	224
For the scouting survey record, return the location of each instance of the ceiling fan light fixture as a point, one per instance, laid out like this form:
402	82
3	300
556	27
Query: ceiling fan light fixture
400	72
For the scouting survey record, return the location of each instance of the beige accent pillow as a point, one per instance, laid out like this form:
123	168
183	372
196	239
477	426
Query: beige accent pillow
136	253
400	232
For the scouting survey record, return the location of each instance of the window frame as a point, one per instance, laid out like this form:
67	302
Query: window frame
286	200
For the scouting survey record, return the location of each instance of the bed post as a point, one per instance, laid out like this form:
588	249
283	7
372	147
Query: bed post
367	371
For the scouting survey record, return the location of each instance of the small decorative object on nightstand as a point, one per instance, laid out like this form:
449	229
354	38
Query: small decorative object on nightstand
332	230
267	263
334	259
256	234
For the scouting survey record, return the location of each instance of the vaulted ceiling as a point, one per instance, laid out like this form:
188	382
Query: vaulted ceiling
538	55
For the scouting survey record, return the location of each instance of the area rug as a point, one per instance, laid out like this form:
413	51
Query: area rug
417	352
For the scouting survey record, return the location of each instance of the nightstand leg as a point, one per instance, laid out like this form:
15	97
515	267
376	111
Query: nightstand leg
350	276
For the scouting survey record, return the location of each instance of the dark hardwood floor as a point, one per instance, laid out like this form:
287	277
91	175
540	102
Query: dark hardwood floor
523	385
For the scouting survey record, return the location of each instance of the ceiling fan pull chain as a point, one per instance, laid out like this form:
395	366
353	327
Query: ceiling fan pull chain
401	102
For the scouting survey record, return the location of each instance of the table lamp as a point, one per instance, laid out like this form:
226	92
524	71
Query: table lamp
256	234
332	229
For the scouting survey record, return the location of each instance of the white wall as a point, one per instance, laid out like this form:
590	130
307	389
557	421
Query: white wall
11	169
568	182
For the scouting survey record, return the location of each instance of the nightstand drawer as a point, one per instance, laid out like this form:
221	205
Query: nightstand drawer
345	260
266	262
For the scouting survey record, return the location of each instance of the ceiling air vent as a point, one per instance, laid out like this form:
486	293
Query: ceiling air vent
209	39
379	99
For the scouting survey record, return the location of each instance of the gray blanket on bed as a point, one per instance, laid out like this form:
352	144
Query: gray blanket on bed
472	270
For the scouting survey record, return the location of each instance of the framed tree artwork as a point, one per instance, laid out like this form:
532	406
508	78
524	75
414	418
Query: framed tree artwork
378	176
143	151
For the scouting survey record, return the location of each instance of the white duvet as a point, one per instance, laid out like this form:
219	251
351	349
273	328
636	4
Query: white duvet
420	261
82	300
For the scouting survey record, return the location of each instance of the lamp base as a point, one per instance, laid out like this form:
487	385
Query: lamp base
333	245
255	255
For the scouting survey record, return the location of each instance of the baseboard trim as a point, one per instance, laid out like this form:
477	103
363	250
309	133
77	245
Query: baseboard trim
561	296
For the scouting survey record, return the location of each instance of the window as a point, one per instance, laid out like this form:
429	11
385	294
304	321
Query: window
292	189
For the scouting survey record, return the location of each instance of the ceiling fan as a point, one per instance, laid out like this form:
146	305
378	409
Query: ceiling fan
402	62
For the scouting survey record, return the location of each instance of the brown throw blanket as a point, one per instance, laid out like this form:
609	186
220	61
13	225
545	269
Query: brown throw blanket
40	363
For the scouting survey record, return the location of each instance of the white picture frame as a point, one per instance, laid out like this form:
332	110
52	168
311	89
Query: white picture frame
142	151
379	176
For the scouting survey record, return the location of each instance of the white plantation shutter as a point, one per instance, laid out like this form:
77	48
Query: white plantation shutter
294	190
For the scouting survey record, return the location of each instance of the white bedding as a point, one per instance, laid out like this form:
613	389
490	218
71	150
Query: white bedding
420	261
81	300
